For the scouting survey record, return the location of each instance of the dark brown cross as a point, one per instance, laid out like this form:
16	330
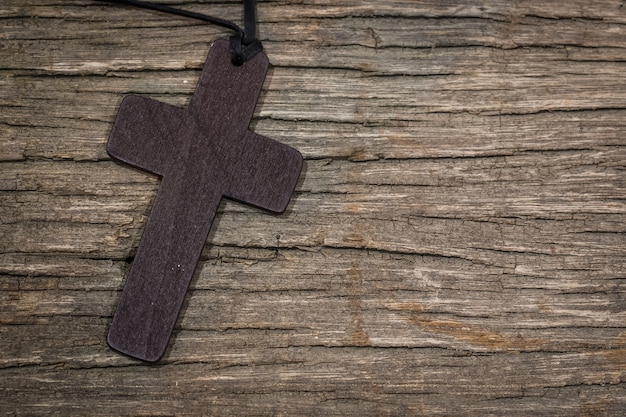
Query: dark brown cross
202	154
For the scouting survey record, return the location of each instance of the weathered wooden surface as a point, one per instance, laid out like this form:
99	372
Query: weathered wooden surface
456	246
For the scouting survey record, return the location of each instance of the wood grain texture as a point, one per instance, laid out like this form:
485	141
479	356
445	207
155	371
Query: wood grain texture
456	244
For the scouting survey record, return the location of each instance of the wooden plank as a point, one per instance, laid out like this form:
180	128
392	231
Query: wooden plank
456	244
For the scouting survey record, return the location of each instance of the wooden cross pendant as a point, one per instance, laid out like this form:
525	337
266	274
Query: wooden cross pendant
202	154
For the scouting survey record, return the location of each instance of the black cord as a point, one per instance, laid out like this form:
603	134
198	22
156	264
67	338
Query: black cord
243	45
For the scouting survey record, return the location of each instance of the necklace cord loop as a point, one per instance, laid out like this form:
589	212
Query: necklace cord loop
243	44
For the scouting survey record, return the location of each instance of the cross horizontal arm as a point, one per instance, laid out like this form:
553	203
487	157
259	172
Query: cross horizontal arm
266	173
144	133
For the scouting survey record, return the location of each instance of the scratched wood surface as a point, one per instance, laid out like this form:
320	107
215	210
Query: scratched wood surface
456	245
